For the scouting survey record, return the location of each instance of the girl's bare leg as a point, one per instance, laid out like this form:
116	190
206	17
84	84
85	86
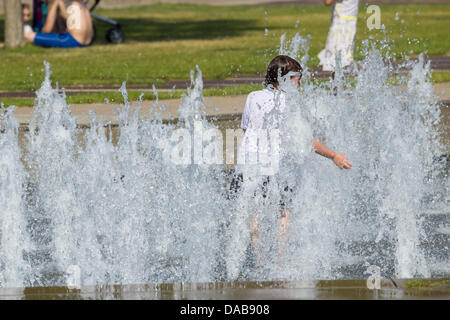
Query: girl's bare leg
254	236
283	231
51	17
29	36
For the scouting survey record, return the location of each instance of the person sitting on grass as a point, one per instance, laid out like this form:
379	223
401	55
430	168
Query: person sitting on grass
79	26
40	11
26	18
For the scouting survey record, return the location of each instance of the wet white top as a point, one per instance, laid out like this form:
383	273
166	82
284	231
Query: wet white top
259	105
345	8
261	120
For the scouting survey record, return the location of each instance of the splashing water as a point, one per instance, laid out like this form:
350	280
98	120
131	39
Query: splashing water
295	47
13	238
370	213
154	207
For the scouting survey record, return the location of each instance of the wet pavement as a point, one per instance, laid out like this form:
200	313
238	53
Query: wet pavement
384	289
222	107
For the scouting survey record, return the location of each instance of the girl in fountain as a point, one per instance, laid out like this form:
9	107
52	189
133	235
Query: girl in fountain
258	115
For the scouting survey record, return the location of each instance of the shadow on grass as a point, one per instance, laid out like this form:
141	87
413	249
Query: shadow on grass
147	30
2	29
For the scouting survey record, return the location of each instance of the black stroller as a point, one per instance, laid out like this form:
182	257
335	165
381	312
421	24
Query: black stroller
114	34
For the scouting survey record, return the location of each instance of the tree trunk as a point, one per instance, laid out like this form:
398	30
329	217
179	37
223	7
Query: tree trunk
13	24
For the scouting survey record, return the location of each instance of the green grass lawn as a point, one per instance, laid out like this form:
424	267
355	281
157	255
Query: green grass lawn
167	41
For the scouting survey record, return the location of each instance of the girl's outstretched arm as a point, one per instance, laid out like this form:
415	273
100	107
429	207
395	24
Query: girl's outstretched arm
339	159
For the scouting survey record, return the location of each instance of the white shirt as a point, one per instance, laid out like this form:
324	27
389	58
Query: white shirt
347	8
259	105
261	120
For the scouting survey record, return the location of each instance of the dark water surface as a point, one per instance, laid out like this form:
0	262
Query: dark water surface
325	289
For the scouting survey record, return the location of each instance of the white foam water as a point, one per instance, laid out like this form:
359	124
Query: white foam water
136	211
13	238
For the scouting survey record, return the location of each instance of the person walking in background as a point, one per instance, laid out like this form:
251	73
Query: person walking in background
341	35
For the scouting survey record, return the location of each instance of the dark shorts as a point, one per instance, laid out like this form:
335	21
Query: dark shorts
63	40
285	191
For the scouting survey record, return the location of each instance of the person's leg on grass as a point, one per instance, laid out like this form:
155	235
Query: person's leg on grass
63	40
51	17
29	37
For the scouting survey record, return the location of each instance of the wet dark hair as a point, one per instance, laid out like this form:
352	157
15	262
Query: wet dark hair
283	63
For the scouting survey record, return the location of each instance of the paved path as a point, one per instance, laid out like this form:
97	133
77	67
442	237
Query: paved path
224	107
228	107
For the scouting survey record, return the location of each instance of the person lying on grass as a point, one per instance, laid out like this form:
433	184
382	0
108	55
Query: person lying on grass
79	26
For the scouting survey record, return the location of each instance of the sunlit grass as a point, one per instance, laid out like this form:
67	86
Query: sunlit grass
167	41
